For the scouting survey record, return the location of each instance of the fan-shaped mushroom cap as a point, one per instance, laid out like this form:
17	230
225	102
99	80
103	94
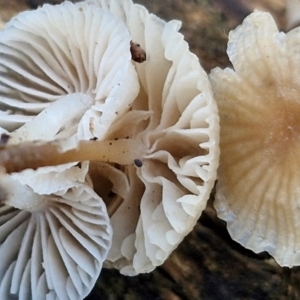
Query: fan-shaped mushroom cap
176	118
258	191
55	248
73	60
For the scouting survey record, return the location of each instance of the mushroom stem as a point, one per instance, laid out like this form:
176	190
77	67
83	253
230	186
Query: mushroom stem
34	155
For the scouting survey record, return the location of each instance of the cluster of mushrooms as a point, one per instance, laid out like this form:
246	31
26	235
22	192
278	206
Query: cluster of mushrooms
110	144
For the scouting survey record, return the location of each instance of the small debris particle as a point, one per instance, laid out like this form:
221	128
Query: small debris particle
94	138
138	162
4	138
138	54
110	143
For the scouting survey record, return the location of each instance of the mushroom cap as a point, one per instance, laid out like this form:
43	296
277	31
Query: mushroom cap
258	191
176	118
70	63
56	248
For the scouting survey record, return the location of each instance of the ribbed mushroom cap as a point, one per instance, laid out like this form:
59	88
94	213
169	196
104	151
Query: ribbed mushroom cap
175	116
258	191
73	60
52	247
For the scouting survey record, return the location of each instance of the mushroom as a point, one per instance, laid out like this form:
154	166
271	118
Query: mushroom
161	196
160	112
258	179
52	245
60	55
65	74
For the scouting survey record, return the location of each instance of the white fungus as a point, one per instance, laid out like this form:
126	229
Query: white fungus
175	117
67	74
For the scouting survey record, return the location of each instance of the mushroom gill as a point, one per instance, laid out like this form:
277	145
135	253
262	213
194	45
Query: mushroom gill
175	117
71	64
55	248
258	191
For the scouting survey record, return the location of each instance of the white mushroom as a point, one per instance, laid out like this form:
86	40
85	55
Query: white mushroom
65	72
170	122
258	188
52	247
176	118
71	63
